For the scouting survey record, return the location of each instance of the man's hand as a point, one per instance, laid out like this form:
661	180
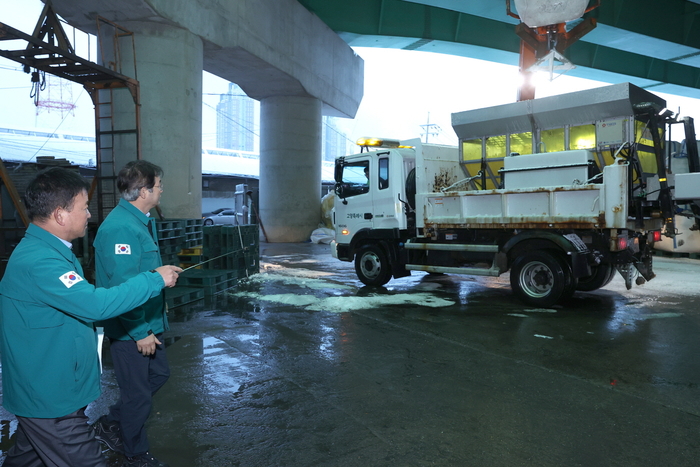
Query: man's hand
169	274
147	345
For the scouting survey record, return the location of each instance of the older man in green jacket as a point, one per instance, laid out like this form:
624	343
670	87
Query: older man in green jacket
50	369
126	245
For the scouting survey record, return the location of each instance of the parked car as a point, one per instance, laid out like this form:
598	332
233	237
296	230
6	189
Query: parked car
221	216
214	212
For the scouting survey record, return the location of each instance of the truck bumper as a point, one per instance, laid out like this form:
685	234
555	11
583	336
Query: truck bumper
341	251
334	249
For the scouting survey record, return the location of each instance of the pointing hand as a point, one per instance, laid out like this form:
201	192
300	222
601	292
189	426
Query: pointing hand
169	274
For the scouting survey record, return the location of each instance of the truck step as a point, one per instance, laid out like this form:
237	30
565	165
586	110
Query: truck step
451	247
448	270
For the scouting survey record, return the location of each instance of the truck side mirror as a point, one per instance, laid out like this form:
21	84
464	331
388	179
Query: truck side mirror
338	174
340	191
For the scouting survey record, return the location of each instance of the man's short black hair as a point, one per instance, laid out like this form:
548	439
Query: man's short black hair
53	188
136	175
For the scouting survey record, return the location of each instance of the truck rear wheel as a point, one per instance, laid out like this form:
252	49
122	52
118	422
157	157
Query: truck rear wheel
539	278
571	281
602	275
372	266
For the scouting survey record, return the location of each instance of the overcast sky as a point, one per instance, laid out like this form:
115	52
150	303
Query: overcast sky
403	91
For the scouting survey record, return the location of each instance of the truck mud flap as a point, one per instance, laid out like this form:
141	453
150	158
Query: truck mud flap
399	258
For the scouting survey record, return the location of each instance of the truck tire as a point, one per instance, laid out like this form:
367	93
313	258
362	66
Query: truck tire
372	266
571	280
539	278
602	275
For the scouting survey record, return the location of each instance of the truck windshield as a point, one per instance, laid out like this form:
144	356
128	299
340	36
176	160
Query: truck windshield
356	178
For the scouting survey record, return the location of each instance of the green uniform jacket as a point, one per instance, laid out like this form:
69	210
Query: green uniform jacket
47	336
126	245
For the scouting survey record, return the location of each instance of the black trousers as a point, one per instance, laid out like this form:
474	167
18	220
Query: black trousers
55	442
139	378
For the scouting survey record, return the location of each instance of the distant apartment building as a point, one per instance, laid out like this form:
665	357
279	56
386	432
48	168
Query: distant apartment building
235	120
335	142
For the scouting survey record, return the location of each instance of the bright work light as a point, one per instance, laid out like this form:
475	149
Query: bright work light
378	142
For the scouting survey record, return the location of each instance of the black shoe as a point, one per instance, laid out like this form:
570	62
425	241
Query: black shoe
108	434
143	460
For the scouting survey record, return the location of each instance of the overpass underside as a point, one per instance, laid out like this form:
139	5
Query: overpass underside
649	43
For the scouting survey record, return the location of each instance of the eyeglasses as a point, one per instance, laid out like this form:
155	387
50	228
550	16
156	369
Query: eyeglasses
160	187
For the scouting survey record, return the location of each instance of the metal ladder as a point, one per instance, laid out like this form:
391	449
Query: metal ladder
49	50
110	140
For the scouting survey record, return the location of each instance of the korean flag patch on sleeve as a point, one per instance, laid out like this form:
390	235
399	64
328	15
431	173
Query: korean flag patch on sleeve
122	249
69	279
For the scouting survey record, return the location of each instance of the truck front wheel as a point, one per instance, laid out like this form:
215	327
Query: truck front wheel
538	278
372	266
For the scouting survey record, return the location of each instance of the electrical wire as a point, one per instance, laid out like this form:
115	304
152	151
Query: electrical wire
229	118
11	68
223	94
344	135
54	131
16	147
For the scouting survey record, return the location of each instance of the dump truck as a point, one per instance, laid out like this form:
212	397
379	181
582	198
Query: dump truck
564	192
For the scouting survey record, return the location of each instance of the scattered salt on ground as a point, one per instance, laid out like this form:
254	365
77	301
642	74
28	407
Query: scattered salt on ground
276	268
300	277
342	304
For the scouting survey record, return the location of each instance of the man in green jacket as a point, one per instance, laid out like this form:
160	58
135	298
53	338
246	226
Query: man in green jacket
126	245
50	369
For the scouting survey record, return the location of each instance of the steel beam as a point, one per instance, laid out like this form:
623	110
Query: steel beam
678	23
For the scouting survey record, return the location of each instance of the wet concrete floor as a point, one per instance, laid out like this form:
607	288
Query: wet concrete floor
301	366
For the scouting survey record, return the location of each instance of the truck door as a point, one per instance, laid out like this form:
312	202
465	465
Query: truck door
355	212
383	195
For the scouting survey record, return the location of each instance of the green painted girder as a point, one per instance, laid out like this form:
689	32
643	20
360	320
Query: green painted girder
676	21
603	58
399	18
405	19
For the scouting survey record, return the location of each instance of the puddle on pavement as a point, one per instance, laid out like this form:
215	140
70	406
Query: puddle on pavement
7	431
169	340
218	361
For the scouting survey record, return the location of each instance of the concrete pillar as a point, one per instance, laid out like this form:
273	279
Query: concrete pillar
290	167
169	64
